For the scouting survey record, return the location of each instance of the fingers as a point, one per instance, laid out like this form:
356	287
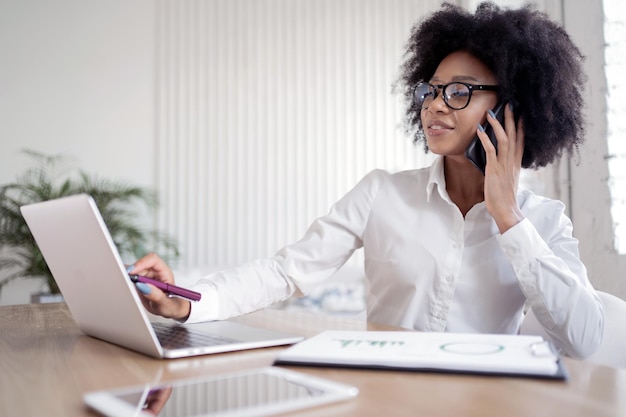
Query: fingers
157	399
509	138
148	262
510	131
158	302
490	149
519	146
154	267
153	299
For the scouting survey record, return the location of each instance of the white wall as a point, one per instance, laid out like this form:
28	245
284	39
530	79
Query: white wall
590	176
269	111
615	56
77	78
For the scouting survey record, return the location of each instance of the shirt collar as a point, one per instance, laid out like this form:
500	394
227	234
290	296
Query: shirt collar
436	178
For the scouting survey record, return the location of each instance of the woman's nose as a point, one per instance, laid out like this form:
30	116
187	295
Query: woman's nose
438	104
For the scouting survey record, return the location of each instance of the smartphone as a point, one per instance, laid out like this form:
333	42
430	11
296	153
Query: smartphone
475	152
258	392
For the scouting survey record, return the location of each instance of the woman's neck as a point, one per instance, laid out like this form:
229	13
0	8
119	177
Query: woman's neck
464	183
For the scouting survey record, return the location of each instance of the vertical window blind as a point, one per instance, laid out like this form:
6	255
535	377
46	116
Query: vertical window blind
268	111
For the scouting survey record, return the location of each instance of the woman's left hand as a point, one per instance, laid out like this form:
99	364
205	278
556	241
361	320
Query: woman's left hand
155	300
503	170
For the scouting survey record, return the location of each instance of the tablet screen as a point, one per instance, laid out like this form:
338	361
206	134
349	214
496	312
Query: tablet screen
259	392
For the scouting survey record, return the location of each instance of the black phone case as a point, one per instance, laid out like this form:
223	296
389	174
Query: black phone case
475	152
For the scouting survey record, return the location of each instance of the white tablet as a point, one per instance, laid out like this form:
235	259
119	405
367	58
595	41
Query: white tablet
258	392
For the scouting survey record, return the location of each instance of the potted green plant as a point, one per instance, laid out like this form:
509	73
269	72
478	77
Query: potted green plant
122	206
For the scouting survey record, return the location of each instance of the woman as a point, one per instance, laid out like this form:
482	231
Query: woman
447	248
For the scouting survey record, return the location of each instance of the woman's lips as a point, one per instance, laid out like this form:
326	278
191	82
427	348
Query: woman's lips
438	128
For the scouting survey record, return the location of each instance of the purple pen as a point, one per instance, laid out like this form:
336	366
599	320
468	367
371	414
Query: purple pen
168	288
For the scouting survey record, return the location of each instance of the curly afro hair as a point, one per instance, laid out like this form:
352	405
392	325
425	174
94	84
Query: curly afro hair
537	66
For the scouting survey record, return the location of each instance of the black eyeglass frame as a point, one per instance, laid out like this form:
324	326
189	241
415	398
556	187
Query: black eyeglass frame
443	87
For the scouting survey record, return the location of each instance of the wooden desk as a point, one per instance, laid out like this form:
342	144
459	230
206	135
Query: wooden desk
46	364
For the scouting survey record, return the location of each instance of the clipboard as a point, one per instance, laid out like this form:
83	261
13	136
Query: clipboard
460	353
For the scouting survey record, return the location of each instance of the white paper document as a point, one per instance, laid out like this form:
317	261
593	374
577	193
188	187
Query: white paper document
429	351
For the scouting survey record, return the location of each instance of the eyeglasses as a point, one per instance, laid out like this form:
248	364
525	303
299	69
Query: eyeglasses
456	95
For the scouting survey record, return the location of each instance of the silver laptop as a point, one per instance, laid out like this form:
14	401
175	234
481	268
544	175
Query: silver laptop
86	265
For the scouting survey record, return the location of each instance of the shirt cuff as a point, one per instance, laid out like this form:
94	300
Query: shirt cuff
521	243
207	308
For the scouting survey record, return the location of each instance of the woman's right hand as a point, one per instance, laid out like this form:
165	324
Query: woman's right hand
155	300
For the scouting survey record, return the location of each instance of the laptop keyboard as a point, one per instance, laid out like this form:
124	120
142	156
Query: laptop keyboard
174	337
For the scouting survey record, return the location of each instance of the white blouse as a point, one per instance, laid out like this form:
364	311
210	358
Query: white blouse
427	268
